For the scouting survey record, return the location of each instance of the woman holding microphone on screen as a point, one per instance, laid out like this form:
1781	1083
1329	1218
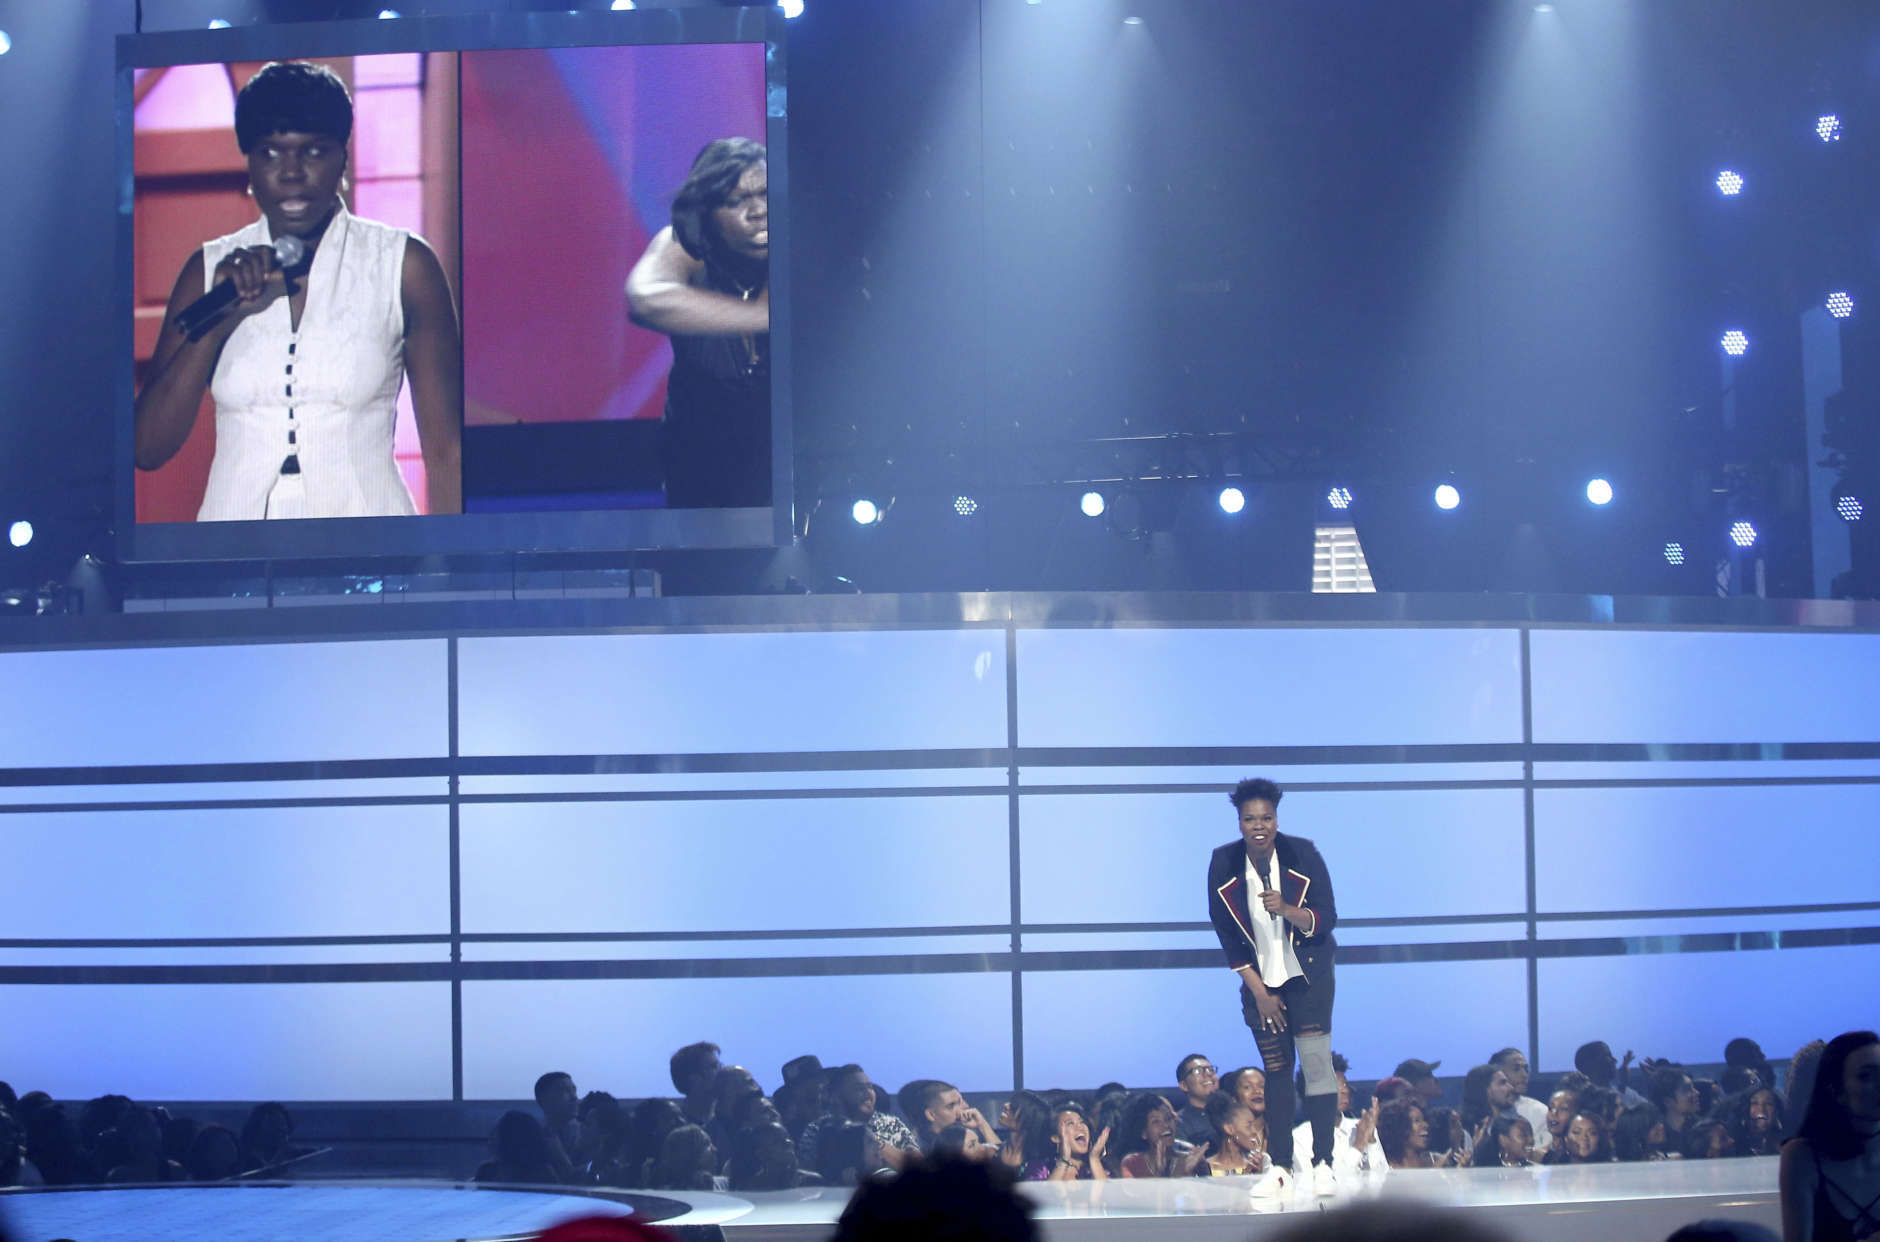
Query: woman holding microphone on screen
303	326
1270	900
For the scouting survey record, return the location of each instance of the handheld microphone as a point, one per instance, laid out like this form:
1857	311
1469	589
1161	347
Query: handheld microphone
199	316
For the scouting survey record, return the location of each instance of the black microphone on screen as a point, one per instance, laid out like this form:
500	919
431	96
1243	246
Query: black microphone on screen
199	316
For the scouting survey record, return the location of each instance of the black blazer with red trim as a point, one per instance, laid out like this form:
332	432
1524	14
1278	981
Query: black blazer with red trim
1303	882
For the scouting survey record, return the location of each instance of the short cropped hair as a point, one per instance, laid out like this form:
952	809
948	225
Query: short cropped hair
1256	787
715	174
688	1061
292	97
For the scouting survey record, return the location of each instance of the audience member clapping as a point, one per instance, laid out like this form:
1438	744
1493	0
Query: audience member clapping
1449	1141
1145	1143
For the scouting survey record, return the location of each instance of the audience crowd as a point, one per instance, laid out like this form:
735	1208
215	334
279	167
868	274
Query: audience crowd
834	1125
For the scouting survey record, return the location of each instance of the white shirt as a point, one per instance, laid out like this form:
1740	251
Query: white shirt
325	393
1272	941
1535	1114
1346	1159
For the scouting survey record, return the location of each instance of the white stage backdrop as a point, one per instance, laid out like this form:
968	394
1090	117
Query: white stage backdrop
287	870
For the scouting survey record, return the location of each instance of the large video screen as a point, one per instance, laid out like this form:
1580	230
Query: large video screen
460	285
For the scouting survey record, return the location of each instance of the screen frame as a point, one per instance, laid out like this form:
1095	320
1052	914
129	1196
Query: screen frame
625	530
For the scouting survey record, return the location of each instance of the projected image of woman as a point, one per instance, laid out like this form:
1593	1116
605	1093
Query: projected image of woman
705	282
306	361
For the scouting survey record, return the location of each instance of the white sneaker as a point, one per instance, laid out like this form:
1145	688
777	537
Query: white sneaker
1324	1181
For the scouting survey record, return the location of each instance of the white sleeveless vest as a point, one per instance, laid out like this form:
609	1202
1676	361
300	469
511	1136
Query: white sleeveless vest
327	394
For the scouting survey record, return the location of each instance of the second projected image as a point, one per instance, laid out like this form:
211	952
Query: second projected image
616	278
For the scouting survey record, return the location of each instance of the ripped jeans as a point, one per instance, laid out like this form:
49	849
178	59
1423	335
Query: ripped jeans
1307	1039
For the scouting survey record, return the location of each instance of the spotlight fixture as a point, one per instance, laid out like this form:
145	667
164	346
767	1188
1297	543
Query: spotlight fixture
621	6
865	512
1840	304
1731	183
1233	500
384	14
20	533
1339	498
1092	504
1828	128
1132	20
1447	497
965	506
1743	534
1735	343
6	43
792	9
218	23
1850	508
1599	491
1674	553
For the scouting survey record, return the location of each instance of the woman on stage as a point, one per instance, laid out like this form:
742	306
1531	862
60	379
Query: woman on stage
1270	900
705	282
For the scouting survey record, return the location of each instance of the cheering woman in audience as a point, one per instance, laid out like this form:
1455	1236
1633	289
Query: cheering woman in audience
1830	1175
1405	1135
1147	1143
306	360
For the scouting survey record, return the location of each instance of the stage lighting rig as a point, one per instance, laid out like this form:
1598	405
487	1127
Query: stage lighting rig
1447	497
1840	304
1232	500
1730	183
1599	492
1828	128
1735	343
1850	508
1743	534
1674	553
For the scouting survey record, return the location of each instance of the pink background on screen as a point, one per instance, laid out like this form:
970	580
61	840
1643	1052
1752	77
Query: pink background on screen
570	161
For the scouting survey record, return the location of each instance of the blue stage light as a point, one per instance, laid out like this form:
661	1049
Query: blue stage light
1828	128
1743	534
1092	504
6	43
1339	498
621	6
20	533
1840	304
218	23
1599	491
965	506
1447	497
865	512
1735	343
792	9
1674	553
1233	500
385	14
1850	508
1731	183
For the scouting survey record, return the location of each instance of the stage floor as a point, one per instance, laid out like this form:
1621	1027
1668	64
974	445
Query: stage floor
1614	1203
